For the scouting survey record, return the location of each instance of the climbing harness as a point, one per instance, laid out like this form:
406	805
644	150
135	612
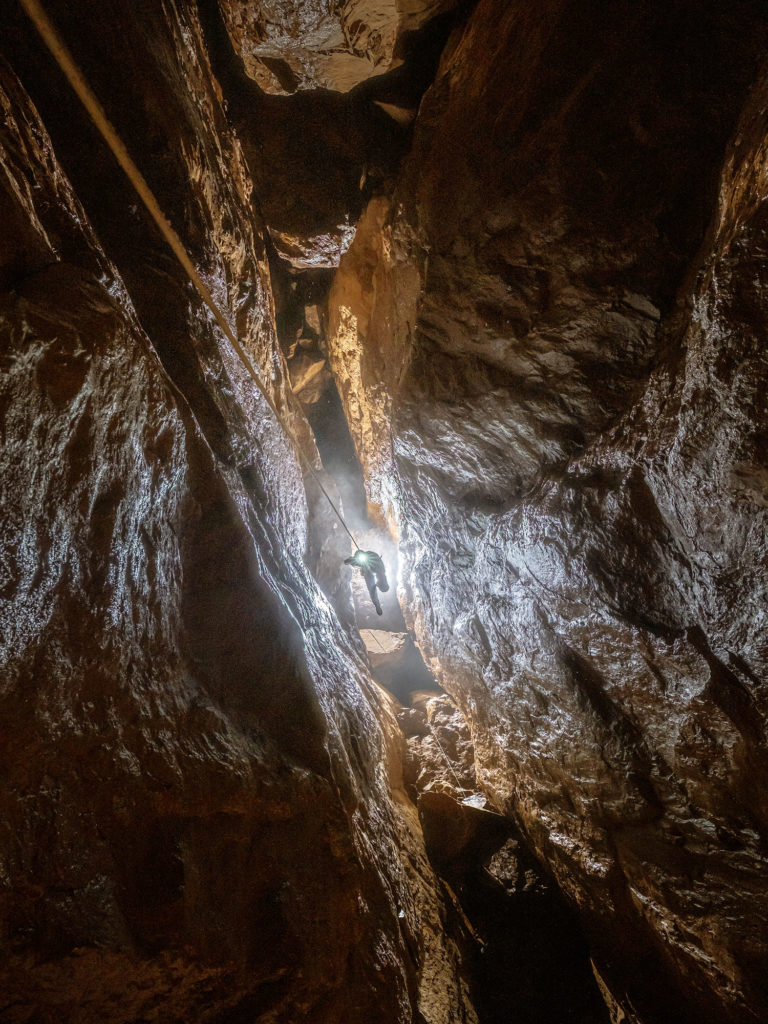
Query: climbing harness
76	79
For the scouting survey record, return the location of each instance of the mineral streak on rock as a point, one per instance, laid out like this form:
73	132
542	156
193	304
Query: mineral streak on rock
550	345
290	45
203	809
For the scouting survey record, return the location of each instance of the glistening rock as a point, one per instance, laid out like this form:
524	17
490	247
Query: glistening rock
202	806
548	348
315	44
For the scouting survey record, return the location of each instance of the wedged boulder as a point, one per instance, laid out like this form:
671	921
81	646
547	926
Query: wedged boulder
440	751
306	251
309	375
290	45
548	349
315	156
384	648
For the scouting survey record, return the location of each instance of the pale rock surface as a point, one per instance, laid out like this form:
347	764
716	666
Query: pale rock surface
310	251
309	375
384	647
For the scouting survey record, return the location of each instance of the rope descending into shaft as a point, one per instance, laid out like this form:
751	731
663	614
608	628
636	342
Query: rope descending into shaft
76	79
442	751
319	483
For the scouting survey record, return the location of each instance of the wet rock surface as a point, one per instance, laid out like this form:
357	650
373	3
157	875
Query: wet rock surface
548	336
522	944
203	810
548	349
316	157
290	45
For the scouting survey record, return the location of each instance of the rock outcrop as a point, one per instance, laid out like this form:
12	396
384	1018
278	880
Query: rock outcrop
522	944
309	155
549	346
290	45
204	816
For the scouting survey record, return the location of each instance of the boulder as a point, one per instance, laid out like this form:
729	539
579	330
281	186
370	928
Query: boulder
290	45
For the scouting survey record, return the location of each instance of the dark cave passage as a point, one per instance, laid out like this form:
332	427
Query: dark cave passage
524	946
500	268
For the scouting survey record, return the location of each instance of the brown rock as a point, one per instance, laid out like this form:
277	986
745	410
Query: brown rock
315	318
310	251
550	346
312	154
574	459
307	155
444	752
522	945
413	722
309	375
198	818
288	45
384	647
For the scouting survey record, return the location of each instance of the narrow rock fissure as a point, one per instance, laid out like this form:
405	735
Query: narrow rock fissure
523	946
501	268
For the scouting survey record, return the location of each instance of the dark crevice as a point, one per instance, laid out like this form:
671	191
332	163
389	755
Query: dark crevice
337	450
522	944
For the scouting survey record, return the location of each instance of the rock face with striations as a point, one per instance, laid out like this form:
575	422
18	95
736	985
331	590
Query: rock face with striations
550	346
203	809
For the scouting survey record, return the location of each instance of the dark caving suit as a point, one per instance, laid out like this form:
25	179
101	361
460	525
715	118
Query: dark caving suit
374	574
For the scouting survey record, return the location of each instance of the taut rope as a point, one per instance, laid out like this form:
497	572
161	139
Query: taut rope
76	79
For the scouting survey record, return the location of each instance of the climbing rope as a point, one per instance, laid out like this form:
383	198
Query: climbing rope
76	79
445	756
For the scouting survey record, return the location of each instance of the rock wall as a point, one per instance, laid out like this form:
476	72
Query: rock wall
203	809
550	346
528	951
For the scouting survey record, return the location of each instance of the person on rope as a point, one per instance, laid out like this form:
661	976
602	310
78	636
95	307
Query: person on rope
373	572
